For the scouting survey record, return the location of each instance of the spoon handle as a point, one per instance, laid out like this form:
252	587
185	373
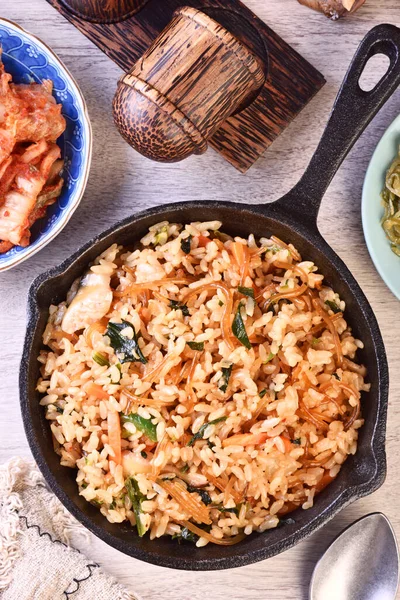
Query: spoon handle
352	111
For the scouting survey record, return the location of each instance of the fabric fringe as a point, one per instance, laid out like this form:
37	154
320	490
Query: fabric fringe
16	475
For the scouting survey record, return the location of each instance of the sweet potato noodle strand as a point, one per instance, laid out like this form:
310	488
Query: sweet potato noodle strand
322	313
227	313
187	501
135	288
292	294
204	534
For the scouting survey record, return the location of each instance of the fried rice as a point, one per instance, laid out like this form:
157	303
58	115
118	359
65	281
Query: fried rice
202	386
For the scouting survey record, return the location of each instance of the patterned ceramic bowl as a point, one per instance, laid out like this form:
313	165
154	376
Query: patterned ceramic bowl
28	59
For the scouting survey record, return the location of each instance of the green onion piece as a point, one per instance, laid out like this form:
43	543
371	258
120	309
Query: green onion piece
239	329
263	392
269	358
185	244
185	468
100	359
196	345
226	373
144	425
333	306
122	345
246	291
235	510
297	441
136	497
175	305
315	341
200	433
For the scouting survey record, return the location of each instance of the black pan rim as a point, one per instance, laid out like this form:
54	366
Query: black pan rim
351	494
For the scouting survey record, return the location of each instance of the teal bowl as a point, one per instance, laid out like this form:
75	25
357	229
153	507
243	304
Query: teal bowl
386	262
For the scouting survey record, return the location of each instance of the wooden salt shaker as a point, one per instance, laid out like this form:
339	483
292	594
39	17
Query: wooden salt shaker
192	78
104	11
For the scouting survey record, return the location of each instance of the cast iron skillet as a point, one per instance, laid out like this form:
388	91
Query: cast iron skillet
292	218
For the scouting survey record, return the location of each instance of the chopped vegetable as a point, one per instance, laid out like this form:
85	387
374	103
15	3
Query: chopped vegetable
144	425
100	359
114	435
205	496
200	433
235	510
315	341
136	497
336	376
161	236
269	358
143	454
245	439
185	535
246	291
239	329
226	373
196	345
203	241
126	349
185	244
263	392
333	306
175	305
185	468
287	521
297	441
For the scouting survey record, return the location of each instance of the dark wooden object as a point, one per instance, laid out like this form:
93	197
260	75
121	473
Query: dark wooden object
290	83
192	78
104	11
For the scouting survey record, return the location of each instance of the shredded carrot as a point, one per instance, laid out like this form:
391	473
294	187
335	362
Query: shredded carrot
332	329
114	435
203	241
246	439
96	390
323	482
220	483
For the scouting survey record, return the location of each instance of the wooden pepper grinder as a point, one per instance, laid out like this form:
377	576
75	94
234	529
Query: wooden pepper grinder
192	78
104	11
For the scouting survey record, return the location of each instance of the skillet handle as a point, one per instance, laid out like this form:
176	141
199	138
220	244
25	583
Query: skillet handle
351	113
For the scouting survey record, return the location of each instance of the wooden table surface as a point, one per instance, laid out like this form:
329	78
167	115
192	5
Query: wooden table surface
122	182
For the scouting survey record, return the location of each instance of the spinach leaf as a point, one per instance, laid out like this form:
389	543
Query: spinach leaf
123	345
229	510
100	359
200	433
143	454
333	306
136	497
283	522
142	424
205	496
336	376
226	373
185	535
175	305
239	329
297	441
196	345
246	291
185	244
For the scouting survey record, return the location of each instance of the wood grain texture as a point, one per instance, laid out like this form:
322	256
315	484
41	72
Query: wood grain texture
122	182
290	83
192	78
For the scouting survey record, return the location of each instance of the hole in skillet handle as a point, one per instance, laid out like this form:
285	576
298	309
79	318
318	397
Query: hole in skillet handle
375	69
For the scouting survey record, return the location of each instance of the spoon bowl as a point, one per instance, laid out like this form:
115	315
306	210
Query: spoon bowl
362	563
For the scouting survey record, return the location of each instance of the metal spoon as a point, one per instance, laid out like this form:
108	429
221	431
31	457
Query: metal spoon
362	563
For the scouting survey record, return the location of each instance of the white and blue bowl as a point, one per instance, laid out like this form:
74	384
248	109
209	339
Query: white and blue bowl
387	263
28	59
